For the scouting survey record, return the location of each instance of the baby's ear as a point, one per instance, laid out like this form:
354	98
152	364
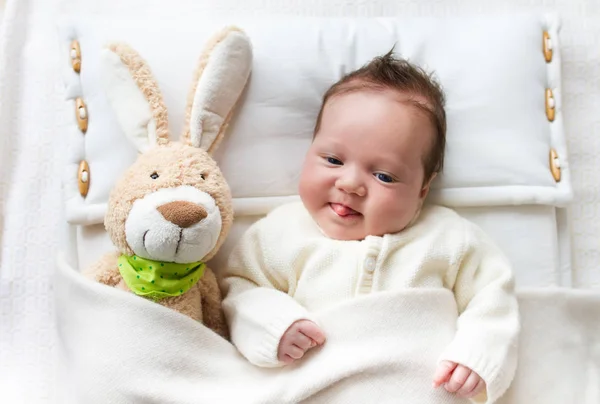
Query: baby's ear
426	187
134	96
222	74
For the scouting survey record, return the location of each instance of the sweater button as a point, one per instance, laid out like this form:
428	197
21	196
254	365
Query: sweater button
370	264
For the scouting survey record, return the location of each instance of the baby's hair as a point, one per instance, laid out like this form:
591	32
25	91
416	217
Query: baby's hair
387	72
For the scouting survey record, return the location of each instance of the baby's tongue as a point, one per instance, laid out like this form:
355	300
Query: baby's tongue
342	210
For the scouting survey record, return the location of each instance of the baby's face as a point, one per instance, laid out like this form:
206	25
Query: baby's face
363	174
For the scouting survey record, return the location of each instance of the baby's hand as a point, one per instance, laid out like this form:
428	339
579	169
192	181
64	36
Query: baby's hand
299	338
458	379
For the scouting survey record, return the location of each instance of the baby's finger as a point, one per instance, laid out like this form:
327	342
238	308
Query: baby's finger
443	372
458	379
479	388
294	351
302	341
287	359
312	331
469	386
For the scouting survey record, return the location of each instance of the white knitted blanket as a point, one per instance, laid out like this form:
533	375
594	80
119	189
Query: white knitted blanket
119	348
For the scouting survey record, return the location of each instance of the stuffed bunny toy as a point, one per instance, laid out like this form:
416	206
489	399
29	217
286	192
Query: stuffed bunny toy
171	210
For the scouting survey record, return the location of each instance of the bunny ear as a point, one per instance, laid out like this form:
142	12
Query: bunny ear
134	96
220	78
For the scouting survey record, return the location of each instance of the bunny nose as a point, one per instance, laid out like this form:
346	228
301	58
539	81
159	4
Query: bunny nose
183	214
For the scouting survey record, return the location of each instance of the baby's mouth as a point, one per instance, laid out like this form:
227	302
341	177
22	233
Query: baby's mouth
343	210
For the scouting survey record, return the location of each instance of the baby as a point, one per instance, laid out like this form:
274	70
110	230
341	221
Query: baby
378	143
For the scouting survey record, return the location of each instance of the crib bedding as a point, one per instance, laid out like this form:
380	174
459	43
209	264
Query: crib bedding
499	144
578	33
27	346
503	156
500	133
181	361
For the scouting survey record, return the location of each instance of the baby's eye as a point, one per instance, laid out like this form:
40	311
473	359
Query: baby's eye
384	177
334	161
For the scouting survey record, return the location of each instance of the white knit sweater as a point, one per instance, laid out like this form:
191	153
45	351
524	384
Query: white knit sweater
285	269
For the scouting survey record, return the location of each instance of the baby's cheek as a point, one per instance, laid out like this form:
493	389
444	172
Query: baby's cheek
310	184
401	210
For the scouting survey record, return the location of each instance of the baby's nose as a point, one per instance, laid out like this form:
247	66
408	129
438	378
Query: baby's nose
351	184
182	213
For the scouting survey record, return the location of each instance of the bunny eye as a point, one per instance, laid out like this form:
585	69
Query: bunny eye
203	176
154	175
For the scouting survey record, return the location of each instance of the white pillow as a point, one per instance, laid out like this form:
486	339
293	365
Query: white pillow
492	68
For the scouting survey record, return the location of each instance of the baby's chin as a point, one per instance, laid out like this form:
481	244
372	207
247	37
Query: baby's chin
342	234
351	233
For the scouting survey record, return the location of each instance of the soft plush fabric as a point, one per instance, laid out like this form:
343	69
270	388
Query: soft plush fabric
284	269
201	302
131	90
171	210
380	348
209	102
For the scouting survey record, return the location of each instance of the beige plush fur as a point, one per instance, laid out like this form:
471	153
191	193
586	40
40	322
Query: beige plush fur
142	75
177	164
202	62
